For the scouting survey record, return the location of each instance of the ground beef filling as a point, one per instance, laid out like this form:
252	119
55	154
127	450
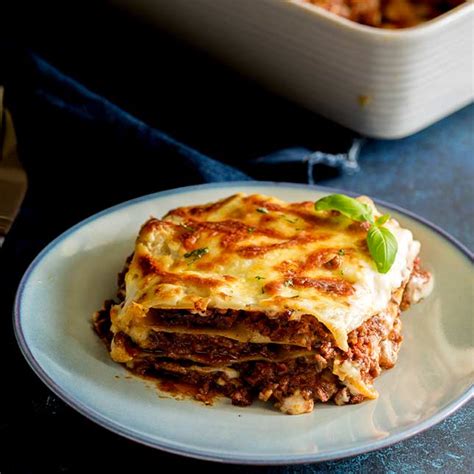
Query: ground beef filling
273	381
213	350
373	348
279	380
305	331
170	355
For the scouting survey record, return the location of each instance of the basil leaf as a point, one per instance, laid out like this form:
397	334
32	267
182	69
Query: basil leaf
382	243
347	206
383	247
382	219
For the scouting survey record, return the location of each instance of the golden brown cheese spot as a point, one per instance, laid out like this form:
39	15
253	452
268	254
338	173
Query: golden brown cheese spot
334	263
148	266
252	251
189	240
326	258
287	268
193	279
153	225
362	246
332	286
358	227
228	232
295	212
273	288
210	208
179	212
211	264
268	205
320	258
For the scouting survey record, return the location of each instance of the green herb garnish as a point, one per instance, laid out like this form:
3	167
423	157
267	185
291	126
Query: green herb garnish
262	210
196	254
288	282
383	247
250	229
258	277
291	221
341	252
382	219
382	243
349	207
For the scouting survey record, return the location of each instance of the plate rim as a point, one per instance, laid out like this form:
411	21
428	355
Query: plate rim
203	454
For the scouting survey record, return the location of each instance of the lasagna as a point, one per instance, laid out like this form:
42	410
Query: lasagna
251	297
388	13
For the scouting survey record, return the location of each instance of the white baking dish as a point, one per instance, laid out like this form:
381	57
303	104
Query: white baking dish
381	83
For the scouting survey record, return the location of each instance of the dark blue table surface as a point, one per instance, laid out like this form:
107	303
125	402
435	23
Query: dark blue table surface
219	113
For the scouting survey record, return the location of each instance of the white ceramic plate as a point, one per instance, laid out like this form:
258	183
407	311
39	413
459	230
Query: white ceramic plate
74	274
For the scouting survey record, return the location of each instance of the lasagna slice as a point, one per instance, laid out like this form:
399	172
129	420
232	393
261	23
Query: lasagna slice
255	298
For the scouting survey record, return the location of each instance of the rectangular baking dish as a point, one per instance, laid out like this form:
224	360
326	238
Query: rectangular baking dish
380	83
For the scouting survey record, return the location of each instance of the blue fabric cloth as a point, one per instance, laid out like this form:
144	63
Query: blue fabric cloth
48	100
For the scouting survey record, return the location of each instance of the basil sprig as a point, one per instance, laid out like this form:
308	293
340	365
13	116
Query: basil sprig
382	243
383	247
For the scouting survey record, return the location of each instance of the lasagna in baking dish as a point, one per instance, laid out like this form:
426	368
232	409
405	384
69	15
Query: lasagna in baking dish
388	13
254	298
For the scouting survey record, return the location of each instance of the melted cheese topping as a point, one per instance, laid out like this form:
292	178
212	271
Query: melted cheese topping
419	287
257	253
